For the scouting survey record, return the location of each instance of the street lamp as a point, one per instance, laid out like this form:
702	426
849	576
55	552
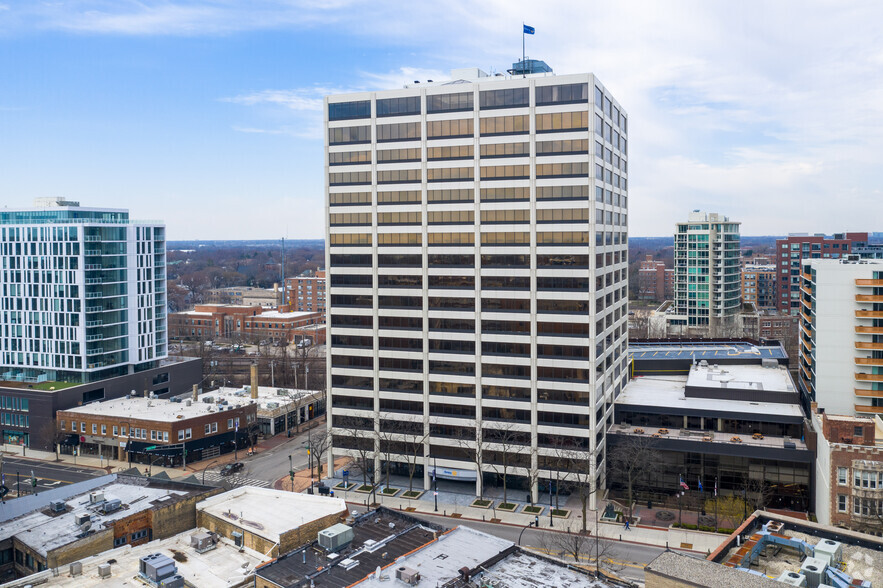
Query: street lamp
550	503
291	472
435	483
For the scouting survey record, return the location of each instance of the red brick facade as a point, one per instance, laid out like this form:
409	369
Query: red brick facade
250	323
306	292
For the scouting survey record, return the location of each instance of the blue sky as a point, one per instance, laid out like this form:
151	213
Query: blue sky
207	114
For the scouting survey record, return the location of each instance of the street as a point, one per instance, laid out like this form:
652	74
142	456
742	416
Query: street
49	475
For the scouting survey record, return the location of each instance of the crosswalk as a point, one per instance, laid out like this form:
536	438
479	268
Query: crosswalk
236	480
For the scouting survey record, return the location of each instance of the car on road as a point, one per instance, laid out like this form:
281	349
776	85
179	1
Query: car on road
232	468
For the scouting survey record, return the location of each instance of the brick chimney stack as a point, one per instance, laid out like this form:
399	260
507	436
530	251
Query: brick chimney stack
254	380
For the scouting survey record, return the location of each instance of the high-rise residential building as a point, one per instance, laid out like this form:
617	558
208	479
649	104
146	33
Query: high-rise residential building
707	275
655	281
306	292
477	263
759	286
84	293
841	334
797	247
83	314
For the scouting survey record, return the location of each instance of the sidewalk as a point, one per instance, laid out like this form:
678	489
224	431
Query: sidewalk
457	507
111	466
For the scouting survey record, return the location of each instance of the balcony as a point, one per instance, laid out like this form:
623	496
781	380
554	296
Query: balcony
94	323
872	283
806	373
94	337
869	361
92	267
869	314
869	393
869	297
868	409
870	330
806	291
874	346
869	377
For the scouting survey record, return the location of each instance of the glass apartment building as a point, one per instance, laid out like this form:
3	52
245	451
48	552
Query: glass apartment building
477	275
83	294
707	274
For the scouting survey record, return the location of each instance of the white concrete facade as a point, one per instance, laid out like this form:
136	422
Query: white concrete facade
841	334
477	268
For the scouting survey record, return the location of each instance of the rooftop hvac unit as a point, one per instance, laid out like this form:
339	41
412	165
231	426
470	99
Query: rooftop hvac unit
110	506
175	581
83	517
208	399
104	570
76	568
96	497
156	567
792	579
202	542
830	552
769	362
814	570
336	537
57	506
408	575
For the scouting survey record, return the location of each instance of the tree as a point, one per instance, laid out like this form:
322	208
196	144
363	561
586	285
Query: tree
581	477
503	442
635	457
320	441
581	547
404	438
356	434
49	431
730	508
473	450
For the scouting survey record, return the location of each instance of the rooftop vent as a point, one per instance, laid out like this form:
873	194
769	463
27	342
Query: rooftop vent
408	575
336	537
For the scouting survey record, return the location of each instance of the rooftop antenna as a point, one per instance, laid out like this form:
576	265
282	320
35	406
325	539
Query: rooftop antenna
283	273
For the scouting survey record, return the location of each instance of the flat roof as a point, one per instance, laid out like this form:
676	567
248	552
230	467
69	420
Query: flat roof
526	570
269	513
150	409
269	399
709	351
225	565
695	571
43	532
669	392
275	314
441	560
741	377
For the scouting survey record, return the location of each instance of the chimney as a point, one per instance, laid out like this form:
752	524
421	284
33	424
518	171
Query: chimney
814	407
254	380
195	393
146	394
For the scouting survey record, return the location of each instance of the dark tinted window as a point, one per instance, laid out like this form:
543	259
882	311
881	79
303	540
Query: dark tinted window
562	94
449	102
398	106
348	110
509	98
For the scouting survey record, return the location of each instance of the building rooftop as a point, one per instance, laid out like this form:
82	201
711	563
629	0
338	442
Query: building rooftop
741	377
708	350
153	409
440	561
269	400
522	569
269	513
669	393
694	571
275	314
225	565
44	531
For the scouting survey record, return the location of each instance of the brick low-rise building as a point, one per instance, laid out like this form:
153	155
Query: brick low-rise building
306	292
849	470
655	281
759	286
208	322
143	430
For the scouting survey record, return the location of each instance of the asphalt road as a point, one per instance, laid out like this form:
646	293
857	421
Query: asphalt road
623	559
49	475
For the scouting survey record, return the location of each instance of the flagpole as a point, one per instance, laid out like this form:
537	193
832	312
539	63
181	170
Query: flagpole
523	75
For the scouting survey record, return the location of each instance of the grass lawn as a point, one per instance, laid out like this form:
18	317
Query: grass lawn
507	506
390	491
532	509
560	512
482	503
412	494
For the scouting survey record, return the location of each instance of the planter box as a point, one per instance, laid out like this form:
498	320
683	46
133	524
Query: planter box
560	513
412	495
344	486
365	489
390	491
533	510
510	507
482	503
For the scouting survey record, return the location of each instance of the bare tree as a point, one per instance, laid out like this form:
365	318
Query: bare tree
49	431
635	457
320	441
357	437
403	438
472	448
581	547
580	476
503	441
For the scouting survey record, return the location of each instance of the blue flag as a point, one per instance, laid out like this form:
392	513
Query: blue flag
700	484
528	30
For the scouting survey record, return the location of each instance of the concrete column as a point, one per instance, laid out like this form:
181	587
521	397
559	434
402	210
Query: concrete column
720	425
254	380
685	422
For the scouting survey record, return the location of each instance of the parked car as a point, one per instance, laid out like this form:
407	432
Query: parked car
232	468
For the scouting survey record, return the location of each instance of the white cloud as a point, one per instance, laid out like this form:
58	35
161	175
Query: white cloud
300	99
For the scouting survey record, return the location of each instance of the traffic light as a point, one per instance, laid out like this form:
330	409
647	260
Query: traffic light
33	479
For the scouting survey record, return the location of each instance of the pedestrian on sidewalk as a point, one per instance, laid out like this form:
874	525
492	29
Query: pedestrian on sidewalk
627	525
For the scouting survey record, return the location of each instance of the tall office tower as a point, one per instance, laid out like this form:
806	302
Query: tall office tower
83	294
477	262
841	334
707	274
797	247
